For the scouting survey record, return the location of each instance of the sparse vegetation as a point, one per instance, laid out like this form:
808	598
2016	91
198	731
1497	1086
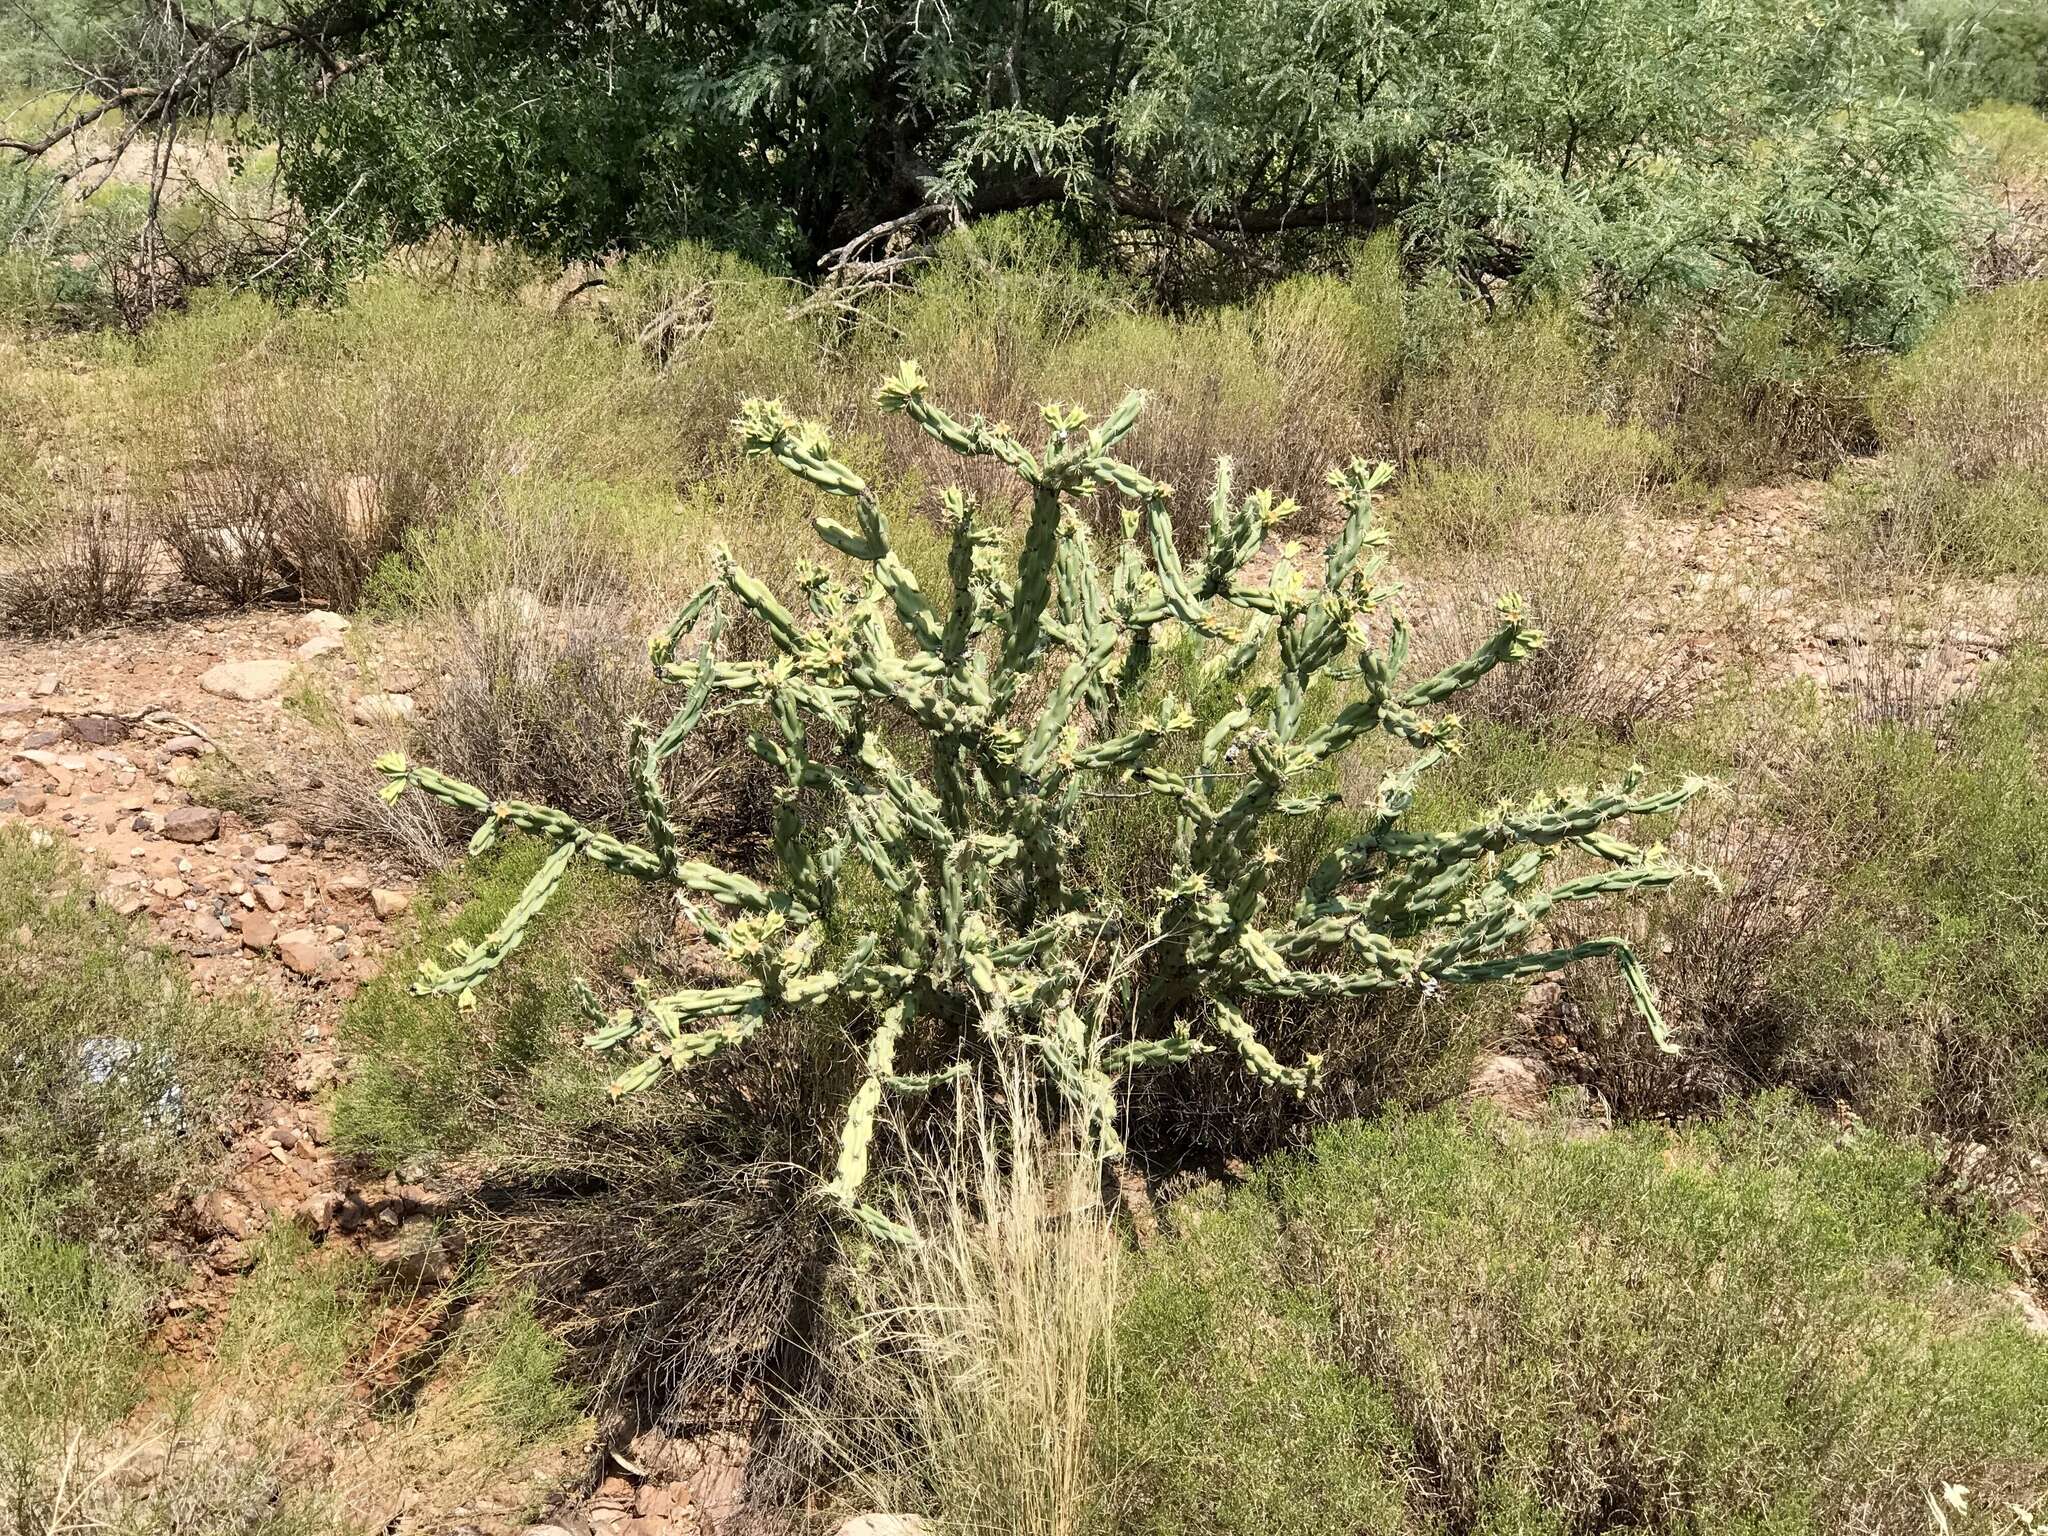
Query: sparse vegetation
1717	332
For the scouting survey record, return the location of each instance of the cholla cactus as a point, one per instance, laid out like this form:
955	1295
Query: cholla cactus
1025	692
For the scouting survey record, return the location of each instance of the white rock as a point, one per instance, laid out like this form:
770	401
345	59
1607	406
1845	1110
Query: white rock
320	645
245	680
885	1525
381	709
323	621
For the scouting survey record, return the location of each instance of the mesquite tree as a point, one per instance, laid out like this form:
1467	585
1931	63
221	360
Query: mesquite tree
954	748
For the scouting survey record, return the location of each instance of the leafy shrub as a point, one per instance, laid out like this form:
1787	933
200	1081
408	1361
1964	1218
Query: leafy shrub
1504	419
972	885
1425	1325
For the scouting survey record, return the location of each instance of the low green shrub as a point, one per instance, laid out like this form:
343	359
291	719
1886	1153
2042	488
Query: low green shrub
673	1240
1921	999
1427	1325
1963	485
112	1074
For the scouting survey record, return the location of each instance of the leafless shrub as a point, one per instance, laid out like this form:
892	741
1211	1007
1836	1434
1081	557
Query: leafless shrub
1615	658
1719	951
92	569
535	700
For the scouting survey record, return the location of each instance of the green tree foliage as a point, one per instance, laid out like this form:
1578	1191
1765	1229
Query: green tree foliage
1662	147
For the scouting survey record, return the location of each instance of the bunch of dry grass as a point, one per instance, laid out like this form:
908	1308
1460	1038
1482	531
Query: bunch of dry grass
980	1355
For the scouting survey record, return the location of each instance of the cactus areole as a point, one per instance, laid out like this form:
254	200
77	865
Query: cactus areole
1018	700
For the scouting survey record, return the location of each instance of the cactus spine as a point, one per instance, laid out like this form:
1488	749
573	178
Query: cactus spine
1028	690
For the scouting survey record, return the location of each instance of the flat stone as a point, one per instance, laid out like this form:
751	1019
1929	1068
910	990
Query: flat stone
320	645
399	679
19	709
381	709
303	951
271	897
245	680
421	1252
185	746
192	824
272	853
97	730
323	621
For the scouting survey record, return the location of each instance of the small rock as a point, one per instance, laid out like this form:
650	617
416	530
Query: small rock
421	1252
304	953
1515	1083
318	646
170	887
353	885
206	929
30	802
45	685
885	1525
245	680
271	897
220	1211
324	621
322	1208
192	824
185	746
381	709
97	730
388	904
399	679
259	931
272	853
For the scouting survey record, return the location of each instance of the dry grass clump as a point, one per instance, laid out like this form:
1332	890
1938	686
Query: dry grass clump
2012	144
1615	660
303	450
979	1360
